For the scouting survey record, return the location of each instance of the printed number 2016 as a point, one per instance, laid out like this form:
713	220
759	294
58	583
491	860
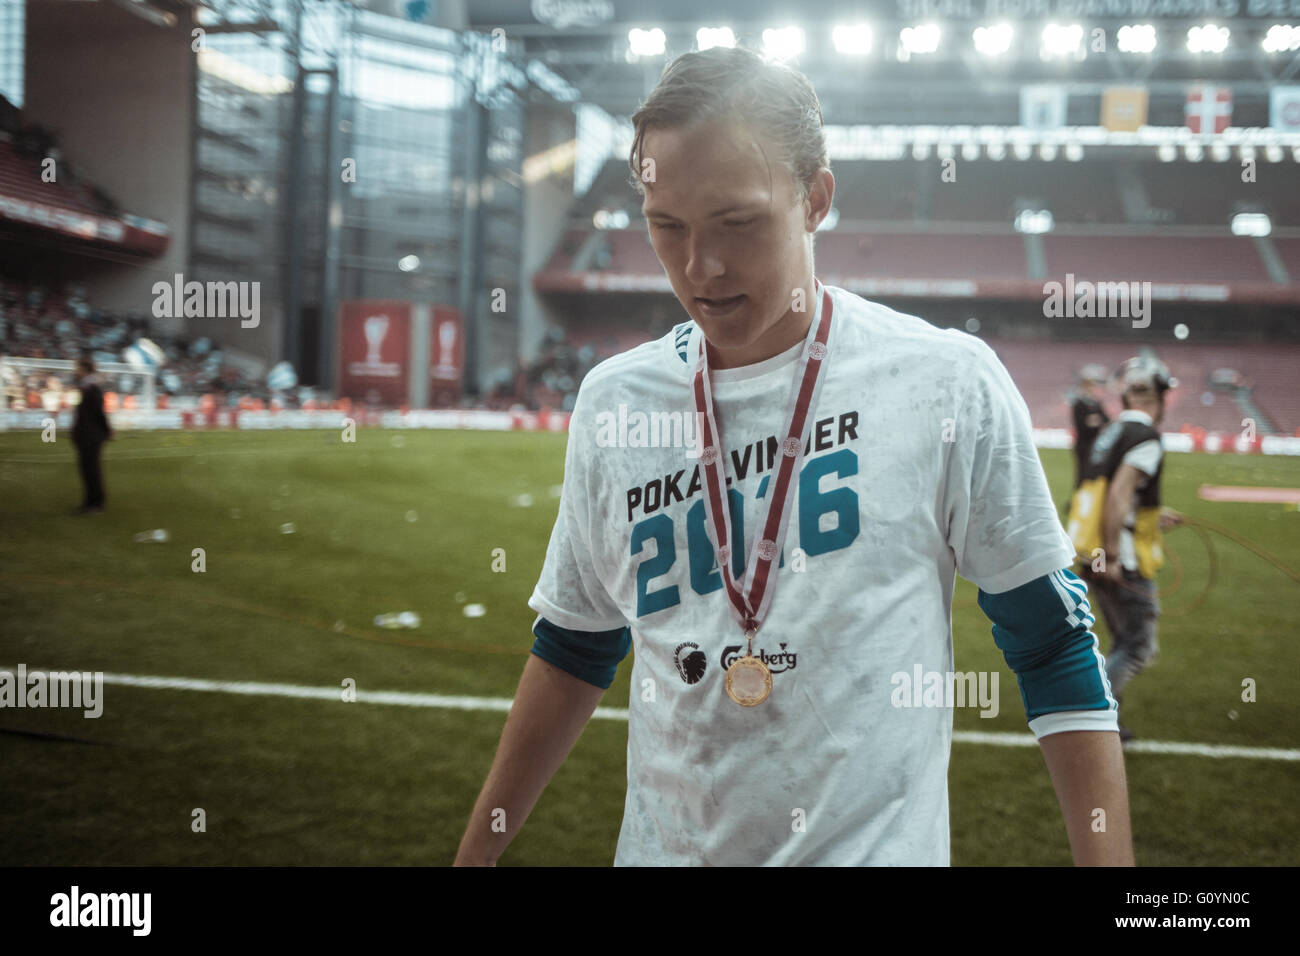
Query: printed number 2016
842	502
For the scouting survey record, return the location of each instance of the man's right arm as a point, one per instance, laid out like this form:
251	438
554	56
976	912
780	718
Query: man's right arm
565	677
581	635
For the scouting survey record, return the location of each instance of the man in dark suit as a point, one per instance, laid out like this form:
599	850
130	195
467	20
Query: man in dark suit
90	429
1088	414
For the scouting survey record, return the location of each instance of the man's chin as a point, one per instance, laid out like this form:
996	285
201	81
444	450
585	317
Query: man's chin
724	334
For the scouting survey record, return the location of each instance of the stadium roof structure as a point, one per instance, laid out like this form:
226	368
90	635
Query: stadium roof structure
876	78
162	13
907	83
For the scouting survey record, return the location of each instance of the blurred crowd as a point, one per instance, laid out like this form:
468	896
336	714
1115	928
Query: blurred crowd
46	320
549	381
552	379
38	321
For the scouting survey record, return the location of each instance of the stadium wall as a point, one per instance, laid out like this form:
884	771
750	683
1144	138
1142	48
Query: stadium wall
118	90
189	418
546	204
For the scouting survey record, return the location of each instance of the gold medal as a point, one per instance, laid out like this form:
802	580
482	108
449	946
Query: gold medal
749	681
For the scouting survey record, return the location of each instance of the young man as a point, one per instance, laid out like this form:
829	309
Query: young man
90	429
1116	519
864	456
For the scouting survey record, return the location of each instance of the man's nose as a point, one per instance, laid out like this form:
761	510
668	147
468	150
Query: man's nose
702	262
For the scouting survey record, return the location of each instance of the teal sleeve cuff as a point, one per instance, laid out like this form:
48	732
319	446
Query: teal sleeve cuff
591	656
1043	631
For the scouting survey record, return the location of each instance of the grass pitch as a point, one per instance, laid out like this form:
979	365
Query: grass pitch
408	521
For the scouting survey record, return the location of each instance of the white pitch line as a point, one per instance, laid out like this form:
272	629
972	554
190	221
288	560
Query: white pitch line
503	704
1139	746
1211	750
394	697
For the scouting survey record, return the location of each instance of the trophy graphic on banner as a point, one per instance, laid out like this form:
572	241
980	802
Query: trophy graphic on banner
446	364
376	327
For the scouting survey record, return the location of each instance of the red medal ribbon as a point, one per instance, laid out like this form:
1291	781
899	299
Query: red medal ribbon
750	603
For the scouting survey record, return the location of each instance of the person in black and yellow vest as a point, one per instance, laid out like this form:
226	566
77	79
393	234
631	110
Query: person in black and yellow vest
1116	523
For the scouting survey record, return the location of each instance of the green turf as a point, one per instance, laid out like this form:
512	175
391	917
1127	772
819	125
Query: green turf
285	781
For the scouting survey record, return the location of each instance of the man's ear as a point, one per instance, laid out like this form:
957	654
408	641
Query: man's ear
821	193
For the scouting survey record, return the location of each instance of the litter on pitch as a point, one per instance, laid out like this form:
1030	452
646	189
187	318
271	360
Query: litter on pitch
474	610
522	501
288	528
157	534
401	619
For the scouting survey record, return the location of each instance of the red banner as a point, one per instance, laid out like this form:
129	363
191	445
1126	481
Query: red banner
374	339
446	356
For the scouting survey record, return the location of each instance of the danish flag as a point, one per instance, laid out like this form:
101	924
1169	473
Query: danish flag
1208	109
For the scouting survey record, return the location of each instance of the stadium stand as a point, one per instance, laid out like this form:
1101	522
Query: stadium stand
995	192
897	225
1098	191
1114	219
1155	259
909	255
1288	251
1193	194
1263	375
23	147
887	191
987	256
40	322
42	190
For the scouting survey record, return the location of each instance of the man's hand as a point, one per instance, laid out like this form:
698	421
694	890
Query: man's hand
1114	572
1169	518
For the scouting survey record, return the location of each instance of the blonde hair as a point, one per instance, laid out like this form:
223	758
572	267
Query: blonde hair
737	84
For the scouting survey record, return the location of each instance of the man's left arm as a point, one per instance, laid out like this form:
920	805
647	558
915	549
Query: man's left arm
1087	771
1042	629
1006	537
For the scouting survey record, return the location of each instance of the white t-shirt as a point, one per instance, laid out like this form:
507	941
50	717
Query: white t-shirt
922	464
